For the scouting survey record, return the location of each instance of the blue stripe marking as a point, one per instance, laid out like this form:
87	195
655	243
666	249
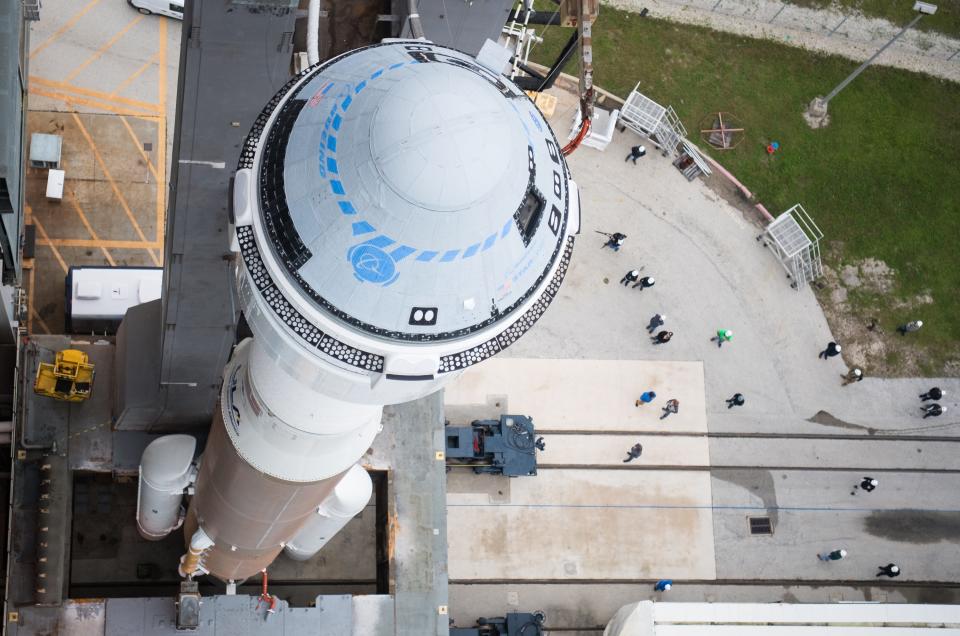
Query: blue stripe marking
449	256
506	228
332	143
337	120
345	104
376	74
336	186
362	227
327	88
362	85
470	251
394	66
487	244
380	241
332	165
346	207
427	256
402	252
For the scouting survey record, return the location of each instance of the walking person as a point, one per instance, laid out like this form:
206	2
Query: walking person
656	321
854	375
615	241
890	569
867	484
673	406
643	283
933	394
832	349
630	277
723	335
736	400
663	585
835	555
910	327
635	153
646	398
662	338
635	451
933	410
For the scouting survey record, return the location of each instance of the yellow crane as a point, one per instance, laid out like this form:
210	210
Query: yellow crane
69	378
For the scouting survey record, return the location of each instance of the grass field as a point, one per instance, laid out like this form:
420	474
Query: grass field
946	20
882	181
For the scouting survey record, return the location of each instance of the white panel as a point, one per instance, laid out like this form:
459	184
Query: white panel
794	630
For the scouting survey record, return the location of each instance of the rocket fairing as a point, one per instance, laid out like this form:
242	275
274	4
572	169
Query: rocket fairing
401	213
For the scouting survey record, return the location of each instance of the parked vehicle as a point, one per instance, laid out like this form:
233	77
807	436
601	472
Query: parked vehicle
171	8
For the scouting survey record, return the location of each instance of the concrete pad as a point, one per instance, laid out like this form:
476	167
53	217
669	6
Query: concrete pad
611	450
585	394
585	524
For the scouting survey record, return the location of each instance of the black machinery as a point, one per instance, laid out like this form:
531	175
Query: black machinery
501	447
513	624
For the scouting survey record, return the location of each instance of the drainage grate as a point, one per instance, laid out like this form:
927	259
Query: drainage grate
760	525
147	146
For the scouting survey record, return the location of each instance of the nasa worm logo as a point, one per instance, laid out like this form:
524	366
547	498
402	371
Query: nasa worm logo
371	264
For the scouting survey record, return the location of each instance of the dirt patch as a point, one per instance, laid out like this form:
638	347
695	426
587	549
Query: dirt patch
855	297
919	527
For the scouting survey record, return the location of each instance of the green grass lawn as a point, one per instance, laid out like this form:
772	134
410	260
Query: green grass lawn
946	20
882	181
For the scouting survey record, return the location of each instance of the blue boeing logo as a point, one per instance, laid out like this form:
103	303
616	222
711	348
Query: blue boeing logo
371	264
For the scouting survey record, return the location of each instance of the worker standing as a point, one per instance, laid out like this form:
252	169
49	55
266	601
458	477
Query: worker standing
854	375
723	335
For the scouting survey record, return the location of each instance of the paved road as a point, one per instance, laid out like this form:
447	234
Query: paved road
825	30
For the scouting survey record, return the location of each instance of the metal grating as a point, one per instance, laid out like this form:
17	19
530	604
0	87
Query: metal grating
760	525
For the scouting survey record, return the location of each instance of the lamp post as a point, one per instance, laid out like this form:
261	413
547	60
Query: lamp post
816	113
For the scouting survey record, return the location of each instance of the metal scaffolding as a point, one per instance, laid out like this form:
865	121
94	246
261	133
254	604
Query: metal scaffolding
794	239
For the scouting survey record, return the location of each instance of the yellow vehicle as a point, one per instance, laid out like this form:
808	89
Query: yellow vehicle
70	378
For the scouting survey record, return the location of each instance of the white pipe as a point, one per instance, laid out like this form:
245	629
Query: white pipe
200	542
346	501
166	469
416	29
313	32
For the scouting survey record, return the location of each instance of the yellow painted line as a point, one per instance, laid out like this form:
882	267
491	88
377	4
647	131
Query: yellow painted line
86	224
162	133
107	243
71	99
45	240
139	146
113	186
100	95
33	313
140	71
103	49
66	27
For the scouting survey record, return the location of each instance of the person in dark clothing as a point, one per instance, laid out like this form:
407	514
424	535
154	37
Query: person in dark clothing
643	283
869	484
633	453
656	321
673	406
662	338
635	153
630	277
933	410
832	349
615	242
889	569
854	375
933	394
736	400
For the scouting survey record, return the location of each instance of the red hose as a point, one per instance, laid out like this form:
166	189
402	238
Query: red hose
266	597
575	142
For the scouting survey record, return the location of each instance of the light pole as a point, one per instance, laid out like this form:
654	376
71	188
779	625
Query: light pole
816	113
